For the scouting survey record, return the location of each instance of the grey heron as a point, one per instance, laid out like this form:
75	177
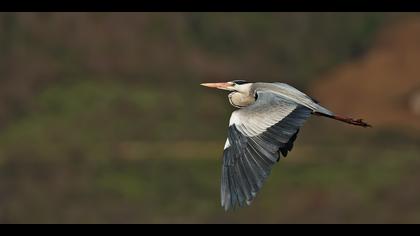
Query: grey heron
262	130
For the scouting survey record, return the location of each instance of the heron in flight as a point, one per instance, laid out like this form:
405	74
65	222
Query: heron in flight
261	131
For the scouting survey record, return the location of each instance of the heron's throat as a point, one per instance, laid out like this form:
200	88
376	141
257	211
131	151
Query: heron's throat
240	100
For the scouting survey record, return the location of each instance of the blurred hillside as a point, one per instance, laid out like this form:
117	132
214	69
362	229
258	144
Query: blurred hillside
102	118
172	50
384	85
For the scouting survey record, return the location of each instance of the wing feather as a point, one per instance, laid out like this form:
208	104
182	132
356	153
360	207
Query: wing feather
257	136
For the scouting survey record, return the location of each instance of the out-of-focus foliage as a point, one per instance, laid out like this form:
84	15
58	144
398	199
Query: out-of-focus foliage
102	119
172	50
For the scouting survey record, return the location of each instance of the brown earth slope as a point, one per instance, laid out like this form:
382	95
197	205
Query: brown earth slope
383	86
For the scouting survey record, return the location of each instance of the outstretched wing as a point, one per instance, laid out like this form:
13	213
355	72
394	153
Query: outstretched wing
256	137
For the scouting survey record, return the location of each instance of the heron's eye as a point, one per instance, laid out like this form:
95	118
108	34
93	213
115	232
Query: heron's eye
239	82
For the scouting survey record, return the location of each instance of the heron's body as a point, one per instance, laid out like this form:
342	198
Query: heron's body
262	130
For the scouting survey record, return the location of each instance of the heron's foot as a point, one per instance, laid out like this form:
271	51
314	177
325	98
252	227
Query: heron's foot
359	122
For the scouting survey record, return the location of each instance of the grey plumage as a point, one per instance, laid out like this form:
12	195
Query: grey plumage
256	144
262	130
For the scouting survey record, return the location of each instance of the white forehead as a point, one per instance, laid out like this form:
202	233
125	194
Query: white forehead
243	88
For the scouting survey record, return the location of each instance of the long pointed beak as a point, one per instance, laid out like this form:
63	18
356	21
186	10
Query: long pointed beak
224	85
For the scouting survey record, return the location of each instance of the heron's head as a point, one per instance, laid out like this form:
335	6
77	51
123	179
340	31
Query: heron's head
237	86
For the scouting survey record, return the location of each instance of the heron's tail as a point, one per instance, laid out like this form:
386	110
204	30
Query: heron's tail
348	120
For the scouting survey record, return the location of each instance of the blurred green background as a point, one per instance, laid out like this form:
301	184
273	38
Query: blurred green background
102	119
